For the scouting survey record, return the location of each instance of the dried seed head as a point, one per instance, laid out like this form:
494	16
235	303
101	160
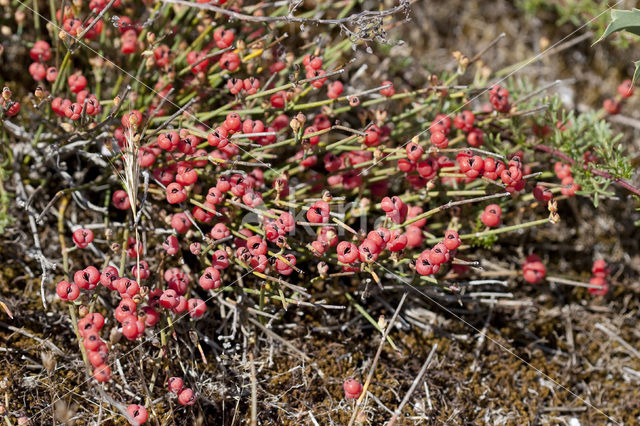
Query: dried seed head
144	291
354	101
323	268
66	127
49	361
151	37
62	35
38	93
382	322
301	118
326	196
295	124
83	311
116	101
6	93
19	16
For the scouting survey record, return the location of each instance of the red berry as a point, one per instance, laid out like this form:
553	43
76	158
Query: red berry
625	89
542	193
603	286
210	279
424	265
186	397
414	151
102	373
451	240
491	215
82	237
176	193
37	71
335	89
569	187
318	212
120	200
611	106
175	384
533	270
599	268
67	291
41	51
196	307
439	139
389	91
223	38
138	414
352	388
562	170
464	121
229	61
77	82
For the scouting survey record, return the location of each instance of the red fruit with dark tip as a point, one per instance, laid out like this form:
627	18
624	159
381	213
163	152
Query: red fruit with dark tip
67	291
138	414
196	307
120	200
82	237
171	245
176	193
491	215
451	240
102	373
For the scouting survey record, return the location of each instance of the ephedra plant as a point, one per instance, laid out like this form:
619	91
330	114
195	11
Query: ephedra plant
196	153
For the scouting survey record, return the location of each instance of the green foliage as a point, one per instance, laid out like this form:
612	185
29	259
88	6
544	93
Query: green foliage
575	12
485	241
624	20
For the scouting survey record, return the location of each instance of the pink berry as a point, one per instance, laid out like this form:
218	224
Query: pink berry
352	388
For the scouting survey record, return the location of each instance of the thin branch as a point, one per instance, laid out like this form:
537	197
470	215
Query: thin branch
366	15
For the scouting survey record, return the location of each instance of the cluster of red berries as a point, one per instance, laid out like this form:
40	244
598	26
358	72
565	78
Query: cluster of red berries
474	166
97	351
248	86
430	260
499	98
612	105
185	395
533	270
464	121
599	272
85	101
563	172
40	53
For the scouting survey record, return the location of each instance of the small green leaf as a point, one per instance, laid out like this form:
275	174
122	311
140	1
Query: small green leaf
636	73
595	200
622	20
